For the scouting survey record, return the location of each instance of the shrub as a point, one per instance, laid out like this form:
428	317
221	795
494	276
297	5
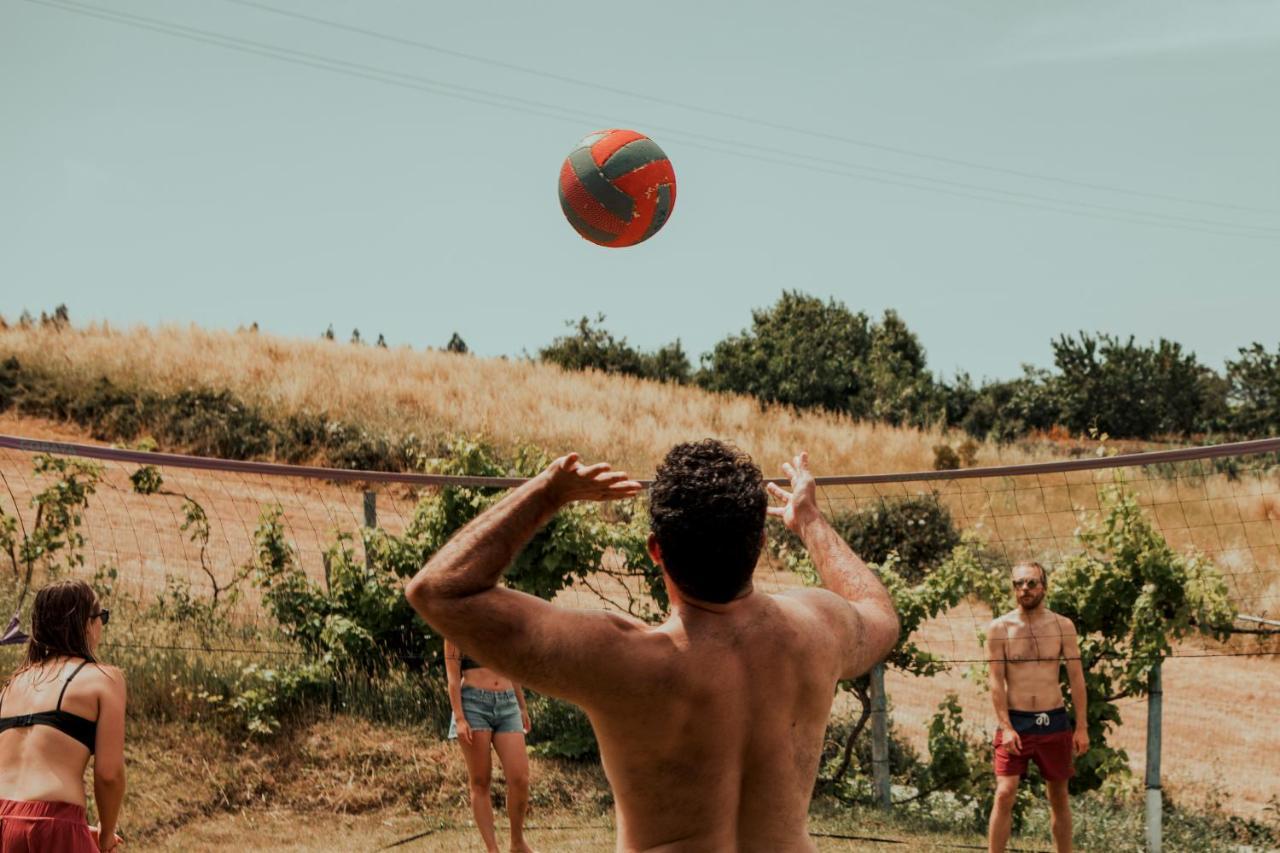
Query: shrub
561	729
360	624
592	347
918	529
9	370
945	458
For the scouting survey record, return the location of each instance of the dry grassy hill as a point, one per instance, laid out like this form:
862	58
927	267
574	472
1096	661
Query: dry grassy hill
400	391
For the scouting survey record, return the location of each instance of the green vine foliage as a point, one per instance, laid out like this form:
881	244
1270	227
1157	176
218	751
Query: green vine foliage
178	603
1131	596
53	543
358	620
1129	593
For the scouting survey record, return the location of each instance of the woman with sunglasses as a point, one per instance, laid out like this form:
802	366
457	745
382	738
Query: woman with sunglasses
59	708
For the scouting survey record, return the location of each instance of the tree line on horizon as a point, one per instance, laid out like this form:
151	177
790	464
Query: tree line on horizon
813	354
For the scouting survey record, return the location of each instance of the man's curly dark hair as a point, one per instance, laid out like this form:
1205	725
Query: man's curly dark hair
707	511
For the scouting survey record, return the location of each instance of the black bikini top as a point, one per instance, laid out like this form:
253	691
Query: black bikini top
71	725
470	663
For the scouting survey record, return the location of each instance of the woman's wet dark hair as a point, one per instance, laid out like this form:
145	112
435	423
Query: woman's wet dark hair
59	622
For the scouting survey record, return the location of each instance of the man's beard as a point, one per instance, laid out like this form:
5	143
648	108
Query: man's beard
1033	604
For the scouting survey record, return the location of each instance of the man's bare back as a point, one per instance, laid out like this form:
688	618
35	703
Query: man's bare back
710	725
727	715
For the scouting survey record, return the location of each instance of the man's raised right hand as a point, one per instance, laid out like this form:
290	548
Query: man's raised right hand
801	503
569	480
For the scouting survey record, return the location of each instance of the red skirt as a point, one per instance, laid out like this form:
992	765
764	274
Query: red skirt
38	826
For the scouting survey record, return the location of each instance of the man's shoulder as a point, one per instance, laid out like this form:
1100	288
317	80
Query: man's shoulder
812	606
1005	621
1063	622
808	597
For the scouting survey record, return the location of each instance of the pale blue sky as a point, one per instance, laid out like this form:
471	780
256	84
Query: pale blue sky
150	178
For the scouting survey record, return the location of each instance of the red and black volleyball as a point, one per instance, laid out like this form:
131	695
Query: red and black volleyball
617	188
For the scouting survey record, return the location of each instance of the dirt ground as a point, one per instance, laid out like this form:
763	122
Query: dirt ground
281	831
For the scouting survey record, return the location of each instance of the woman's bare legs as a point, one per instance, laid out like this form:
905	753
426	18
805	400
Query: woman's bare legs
515	766
480	775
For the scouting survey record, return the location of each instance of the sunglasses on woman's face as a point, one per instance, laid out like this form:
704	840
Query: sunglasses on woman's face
104	614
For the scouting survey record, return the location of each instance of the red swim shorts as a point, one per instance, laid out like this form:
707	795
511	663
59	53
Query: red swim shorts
1052	753
36	826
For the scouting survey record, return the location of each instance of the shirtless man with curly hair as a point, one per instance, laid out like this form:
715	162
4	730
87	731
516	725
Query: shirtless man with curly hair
710	725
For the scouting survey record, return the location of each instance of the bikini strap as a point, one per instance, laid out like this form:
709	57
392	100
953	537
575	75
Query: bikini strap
73	674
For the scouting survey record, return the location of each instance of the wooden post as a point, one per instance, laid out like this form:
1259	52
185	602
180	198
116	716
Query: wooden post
880	738
370	521
1155	804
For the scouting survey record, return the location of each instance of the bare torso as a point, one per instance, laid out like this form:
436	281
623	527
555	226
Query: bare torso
40	762
1033	651
484	678
715	746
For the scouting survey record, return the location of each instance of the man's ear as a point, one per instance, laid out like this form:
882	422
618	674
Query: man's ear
655	554
655	550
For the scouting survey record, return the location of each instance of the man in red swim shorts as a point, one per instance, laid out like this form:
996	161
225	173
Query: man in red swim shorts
1025	647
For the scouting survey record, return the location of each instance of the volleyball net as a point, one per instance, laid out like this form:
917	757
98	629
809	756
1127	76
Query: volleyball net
172	531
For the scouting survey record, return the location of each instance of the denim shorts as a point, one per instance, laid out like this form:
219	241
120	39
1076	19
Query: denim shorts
489	711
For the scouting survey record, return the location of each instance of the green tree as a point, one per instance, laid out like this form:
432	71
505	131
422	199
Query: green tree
1008	409
457	344
801	352
1132	391
898	389
1254	392
807	353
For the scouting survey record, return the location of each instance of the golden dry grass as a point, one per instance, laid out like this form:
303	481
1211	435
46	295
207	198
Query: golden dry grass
626	421
348	784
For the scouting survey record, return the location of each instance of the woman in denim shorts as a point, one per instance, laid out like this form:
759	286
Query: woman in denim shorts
489	710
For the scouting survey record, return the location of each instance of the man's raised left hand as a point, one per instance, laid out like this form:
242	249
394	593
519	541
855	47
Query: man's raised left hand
569	480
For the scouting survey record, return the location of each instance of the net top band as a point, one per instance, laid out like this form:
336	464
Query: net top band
205	463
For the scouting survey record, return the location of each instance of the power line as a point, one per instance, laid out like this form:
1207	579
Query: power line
733	147
747	119
542	109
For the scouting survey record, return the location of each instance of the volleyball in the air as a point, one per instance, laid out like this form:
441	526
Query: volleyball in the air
617	188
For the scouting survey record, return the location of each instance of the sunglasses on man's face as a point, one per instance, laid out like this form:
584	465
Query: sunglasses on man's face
104	614
1029	583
